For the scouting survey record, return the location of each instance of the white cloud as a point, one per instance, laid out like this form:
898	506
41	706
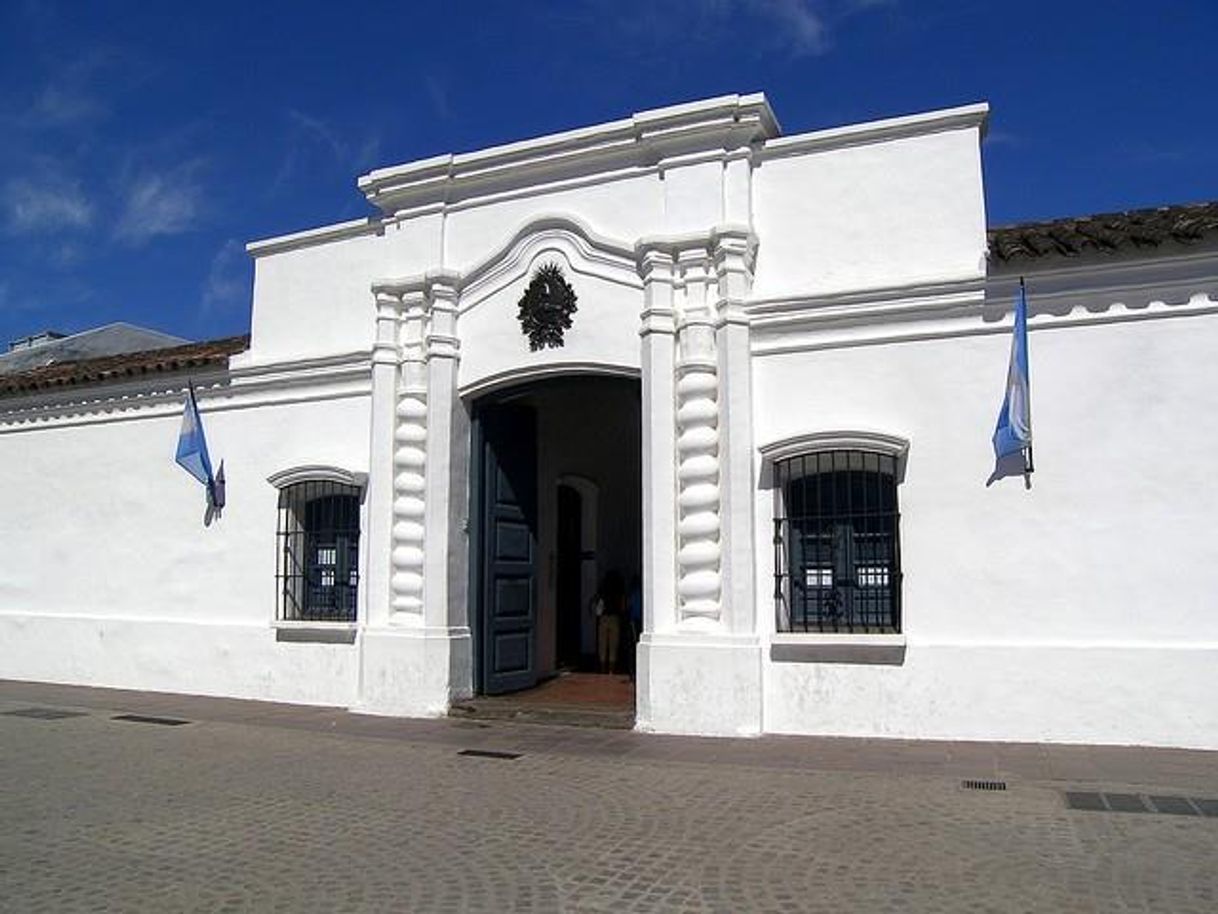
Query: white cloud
47	205
63	106
160	203
437	94
318	130
228	279
804	27
74	94
798	27
310	134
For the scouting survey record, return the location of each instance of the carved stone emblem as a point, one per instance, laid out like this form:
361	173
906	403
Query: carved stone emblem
546	308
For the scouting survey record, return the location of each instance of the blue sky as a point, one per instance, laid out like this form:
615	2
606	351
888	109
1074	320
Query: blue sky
142	144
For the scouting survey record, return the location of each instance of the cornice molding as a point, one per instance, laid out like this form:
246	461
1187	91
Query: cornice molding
967	308
645	139
1126	270
270	384
965	117
867	306
322	235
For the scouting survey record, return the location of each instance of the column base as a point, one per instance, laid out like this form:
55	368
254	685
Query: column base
699	684
416	672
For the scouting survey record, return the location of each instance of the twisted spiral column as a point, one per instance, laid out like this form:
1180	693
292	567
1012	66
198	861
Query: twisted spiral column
410	469
699	581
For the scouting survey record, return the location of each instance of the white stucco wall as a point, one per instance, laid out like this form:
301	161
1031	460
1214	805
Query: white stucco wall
1081	609
111	576
622	208
885	213
314	300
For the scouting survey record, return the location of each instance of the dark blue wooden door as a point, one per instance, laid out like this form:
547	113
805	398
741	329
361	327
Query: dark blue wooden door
509	548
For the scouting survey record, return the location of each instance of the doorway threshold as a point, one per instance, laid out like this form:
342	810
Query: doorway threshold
569	700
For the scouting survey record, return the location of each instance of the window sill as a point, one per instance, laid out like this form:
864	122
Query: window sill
315	632
868	650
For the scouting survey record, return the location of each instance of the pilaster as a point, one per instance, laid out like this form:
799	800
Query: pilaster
386	354
734	253
658	440
699	659
413	661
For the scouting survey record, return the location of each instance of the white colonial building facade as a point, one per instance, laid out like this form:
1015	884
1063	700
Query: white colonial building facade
772	405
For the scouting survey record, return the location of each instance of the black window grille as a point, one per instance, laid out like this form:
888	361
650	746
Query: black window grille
318	574
837	559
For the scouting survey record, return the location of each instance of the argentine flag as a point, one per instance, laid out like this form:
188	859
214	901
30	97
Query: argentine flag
1014	432
192	453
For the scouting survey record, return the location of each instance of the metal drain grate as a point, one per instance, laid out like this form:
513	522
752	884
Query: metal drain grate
1102	801
984	785
489	753
141	719
44	713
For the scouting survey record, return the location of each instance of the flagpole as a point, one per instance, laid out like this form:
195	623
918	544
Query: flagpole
1023	295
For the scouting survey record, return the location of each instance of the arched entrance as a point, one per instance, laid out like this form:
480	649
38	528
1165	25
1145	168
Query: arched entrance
556	503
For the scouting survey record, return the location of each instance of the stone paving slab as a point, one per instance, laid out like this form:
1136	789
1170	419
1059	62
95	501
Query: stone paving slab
1030	762
259	807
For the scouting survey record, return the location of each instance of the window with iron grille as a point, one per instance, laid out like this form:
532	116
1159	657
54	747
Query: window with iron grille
837	563
318	574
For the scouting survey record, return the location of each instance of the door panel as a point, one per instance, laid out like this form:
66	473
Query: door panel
509	573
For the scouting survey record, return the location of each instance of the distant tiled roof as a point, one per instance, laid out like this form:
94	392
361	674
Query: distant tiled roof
119	367
1109	233
51	348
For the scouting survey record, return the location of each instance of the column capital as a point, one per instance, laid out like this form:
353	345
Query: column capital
654	263
385	349
734	250
386	301
734	247
442	285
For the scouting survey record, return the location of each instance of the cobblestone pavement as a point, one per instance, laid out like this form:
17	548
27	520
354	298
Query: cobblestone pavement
254	807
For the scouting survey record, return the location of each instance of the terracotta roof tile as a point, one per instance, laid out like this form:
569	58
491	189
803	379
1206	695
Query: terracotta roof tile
1108	233
117	367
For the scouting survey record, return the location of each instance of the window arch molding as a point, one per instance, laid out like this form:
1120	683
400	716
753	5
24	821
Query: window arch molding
318	472
874	442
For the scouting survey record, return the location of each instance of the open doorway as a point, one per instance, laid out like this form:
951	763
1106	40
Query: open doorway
558	506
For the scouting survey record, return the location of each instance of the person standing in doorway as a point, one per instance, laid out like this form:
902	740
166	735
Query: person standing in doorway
610	609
